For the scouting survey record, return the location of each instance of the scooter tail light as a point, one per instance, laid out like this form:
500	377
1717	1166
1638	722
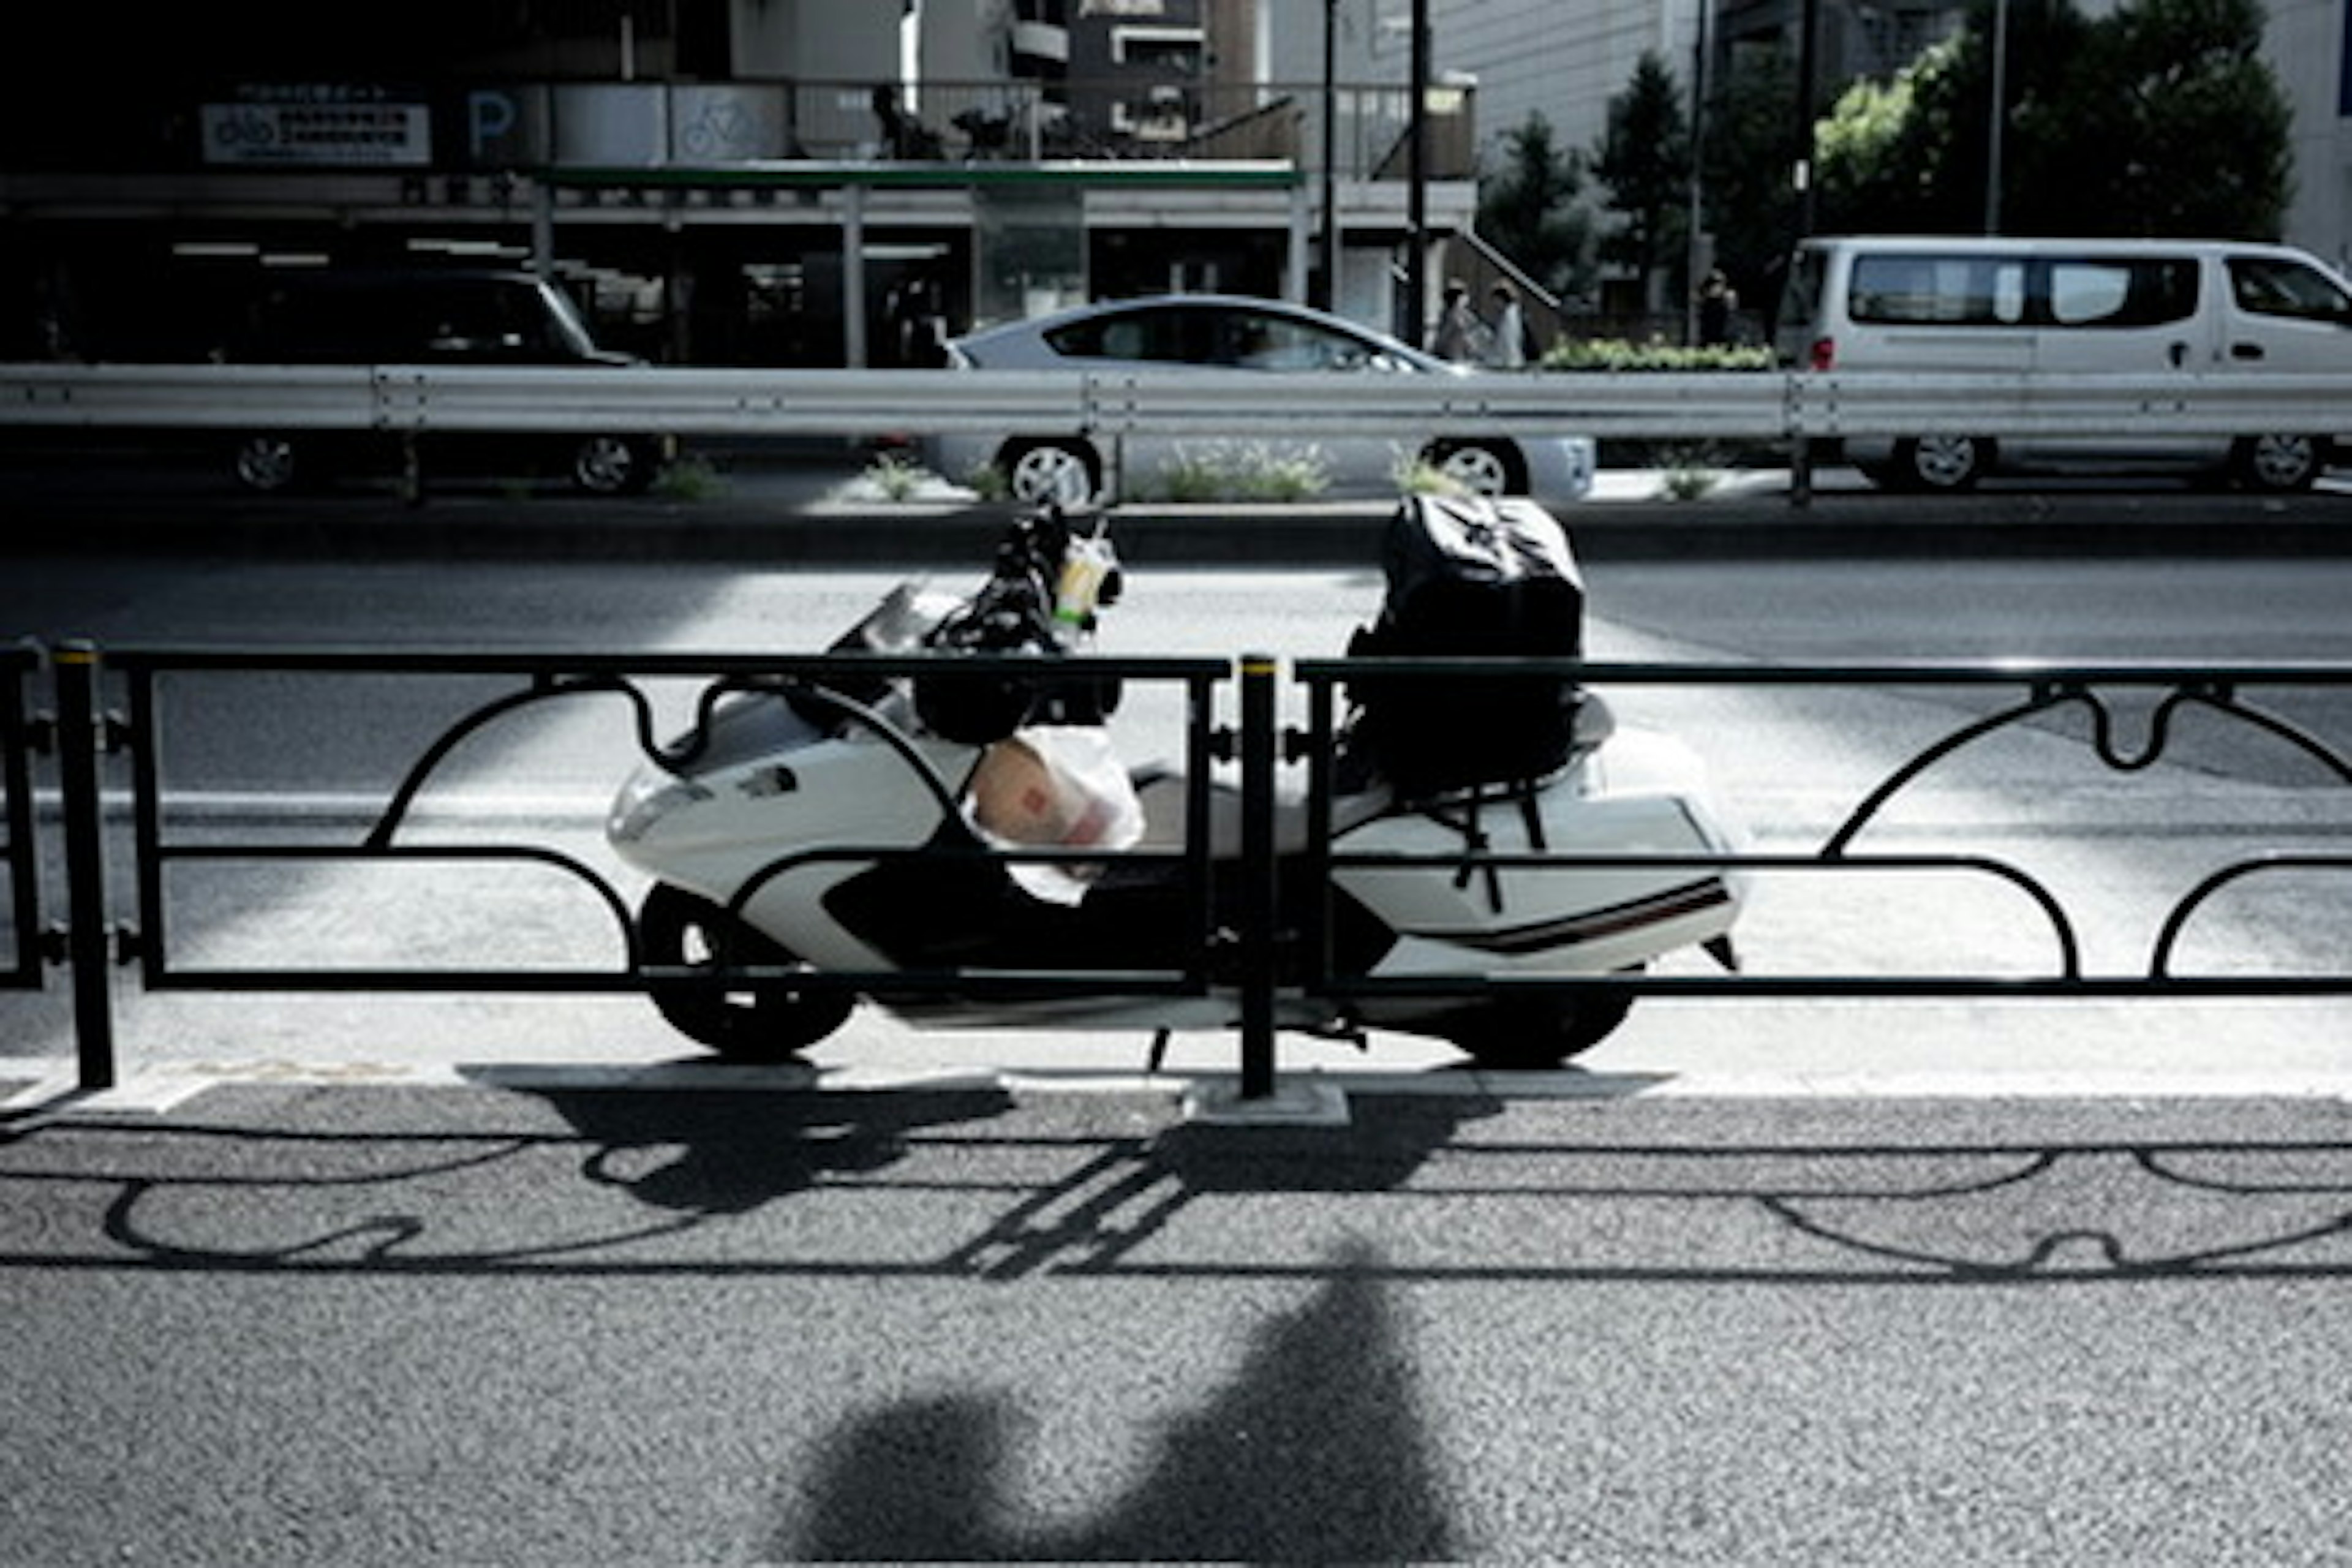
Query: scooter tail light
1825	354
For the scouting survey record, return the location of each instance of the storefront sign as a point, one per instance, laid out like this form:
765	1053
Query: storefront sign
318	126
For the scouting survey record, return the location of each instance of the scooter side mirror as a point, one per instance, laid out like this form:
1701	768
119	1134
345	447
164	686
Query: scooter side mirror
1594	721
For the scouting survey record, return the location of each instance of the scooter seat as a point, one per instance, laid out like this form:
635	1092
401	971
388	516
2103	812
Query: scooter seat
1160	787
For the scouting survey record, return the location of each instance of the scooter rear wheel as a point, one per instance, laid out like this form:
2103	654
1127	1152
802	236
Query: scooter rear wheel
768	1021
1538	1032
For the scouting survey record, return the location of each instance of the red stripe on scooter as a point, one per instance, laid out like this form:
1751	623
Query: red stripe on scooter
1672	904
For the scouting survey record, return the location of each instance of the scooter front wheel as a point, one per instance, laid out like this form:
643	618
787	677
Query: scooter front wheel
1538	1032
764	1021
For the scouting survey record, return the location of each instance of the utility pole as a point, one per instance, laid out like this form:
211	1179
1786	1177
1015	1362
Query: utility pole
1801	458
1416	261
1692	242
1326	289
1808	24
1999	109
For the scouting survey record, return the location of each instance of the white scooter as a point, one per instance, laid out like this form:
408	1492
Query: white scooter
976	826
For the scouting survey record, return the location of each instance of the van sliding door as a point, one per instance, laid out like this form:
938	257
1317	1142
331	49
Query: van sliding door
2122	315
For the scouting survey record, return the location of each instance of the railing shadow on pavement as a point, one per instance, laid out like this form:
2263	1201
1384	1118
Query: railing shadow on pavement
965	1184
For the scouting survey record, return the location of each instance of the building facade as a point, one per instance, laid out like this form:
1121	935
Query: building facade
754	182
1567	61
796	182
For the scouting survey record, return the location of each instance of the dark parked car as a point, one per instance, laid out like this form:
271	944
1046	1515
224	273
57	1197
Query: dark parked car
433	318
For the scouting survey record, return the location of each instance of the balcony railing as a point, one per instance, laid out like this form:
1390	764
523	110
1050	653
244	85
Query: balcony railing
719	125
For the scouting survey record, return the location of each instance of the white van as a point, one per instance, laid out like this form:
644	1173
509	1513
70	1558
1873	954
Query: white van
2069	306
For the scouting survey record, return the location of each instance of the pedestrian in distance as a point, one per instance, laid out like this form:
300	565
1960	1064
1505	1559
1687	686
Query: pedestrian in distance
1507	341
1717	301
1461	336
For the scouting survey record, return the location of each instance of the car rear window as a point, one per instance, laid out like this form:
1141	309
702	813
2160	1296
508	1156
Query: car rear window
1136	334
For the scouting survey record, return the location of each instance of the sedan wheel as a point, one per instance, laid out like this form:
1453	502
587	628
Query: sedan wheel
1480	469
2279	464
1064	472
612	466
270	464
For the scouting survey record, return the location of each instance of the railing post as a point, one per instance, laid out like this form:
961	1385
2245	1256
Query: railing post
1797	419
89	936
19	739
1260	912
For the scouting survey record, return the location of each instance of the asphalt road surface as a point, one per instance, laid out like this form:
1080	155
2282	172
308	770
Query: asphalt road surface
540	1323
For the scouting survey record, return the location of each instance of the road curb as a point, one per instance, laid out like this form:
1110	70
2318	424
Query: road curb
2020	527
1304	1098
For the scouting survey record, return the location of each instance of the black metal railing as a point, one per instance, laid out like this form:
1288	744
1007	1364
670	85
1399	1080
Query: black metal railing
1253	944
20	960
2046	691
539	680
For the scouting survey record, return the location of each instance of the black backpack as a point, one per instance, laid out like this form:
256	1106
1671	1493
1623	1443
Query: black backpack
1470	577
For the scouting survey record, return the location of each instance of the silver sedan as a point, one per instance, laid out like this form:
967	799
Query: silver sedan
1230	332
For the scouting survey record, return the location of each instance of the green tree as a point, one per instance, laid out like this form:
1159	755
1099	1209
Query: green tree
1528	209
1884	151
1644	158
1750	207
2186	123
2160	117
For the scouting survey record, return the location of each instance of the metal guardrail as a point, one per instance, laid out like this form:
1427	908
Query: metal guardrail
1747	406
1254	946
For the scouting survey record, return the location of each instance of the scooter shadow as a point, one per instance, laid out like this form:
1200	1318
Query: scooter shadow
1086	1200
716	1152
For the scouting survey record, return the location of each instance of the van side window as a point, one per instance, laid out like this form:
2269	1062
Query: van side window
2122	293
2265	286
1937	290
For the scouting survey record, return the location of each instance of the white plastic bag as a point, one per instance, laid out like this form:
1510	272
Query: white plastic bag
1055	786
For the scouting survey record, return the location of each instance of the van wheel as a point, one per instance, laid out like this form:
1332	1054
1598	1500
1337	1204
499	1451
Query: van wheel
270	464
1481	467
1067	472
1945	463
613	465
768	1021
2278	465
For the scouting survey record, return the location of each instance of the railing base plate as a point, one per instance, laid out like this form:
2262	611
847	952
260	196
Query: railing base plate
1294	1102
